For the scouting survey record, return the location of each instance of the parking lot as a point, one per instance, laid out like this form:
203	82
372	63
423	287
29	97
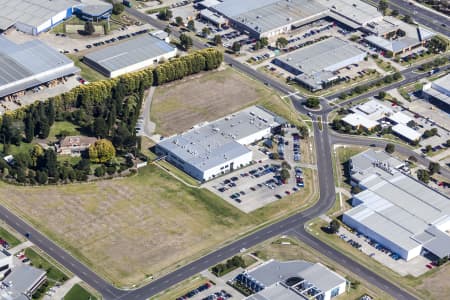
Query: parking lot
415	267
262	183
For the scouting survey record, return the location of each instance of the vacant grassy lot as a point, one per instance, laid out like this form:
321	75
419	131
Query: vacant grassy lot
287	248
77	292
132	228
178	106
53	273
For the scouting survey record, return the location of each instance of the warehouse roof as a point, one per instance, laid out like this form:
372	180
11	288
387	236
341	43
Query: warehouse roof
400	118
29	64
406	132
321	56
364	162
274	271
32	12
211	144
443	84
394	205
266	15
373	109
22	278
355	10
130	52
357	120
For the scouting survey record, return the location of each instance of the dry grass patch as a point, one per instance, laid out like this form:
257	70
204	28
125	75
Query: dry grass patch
131	228
179	105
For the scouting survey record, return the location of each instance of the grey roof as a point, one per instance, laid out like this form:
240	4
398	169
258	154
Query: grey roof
363	163
31	12
23	278
94	7
355	10
276	292
266	15
29	64
439	245
273	272
442	84
130	52
214	143
395	205
317	62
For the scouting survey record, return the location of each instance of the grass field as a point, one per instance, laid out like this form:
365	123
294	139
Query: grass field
77	292
209	96
287	248
62	126
431	285
135	227
10	238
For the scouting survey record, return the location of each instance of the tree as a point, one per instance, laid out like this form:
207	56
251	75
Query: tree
447	143
168	30
217	40
257	45
118	8
179	21
312	102
423	175
434	168
29	128
382	95
284	174
101	151
186	41
206	31
411	124
396	76
89	28
236	47
281	42
383	6
165	14
408	19
390	148
191	25
264	42
100	171
334	226
395	13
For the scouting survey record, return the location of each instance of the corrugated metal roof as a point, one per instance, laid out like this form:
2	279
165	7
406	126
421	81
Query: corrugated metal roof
29	64
130	52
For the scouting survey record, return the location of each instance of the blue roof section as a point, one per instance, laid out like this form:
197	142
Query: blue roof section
130	52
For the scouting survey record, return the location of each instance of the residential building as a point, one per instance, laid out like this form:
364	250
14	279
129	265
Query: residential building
31	64
292	280
396	210
219	147
74	145
438	93
315	66
129	56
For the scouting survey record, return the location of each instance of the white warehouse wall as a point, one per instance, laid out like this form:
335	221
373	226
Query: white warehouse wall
342	64
237	162
255	137
143	64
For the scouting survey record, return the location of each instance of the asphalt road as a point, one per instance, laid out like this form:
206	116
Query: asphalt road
420	15
292	225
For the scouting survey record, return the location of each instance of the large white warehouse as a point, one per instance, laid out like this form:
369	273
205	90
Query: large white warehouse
397	211
34	16
218	147
130	56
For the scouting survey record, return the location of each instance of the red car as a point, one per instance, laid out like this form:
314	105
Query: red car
287	192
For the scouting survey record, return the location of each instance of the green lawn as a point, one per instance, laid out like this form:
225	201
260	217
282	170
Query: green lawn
86	72
7	236
77	292
38	261
58	127
23	148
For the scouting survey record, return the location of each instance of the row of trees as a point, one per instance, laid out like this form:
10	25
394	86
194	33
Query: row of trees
229	265
202	60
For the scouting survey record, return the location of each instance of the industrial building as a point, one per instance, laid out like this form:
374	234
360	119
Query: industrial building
27	65
34	16
216	148
6	262
130	56
268	18
438	93
397	211
22	282
315	66
391	34
93	10
292	280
